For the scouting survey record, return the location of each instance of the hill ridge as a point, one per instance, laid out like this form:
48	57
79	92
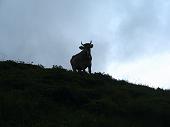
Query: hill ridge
31	95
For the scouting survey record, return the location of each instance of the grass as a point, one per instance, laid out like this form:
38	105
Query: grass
34	96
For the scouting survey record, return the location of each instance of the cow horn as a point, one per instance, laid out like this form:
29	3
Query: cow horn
90	41
82	43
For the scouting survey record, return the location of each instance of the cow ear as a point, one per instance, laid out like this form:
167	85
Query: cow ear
91	46
81	47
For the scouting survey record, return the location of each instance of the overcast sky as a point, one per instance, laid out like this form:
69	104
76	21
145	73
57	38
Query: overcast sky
131	37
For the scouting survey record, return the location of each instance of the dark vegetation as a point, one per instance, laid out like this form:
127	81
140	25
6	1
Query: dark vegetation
34	96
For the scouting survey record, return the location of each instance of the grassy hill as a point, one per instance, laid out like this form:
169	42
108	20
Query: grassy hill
34	96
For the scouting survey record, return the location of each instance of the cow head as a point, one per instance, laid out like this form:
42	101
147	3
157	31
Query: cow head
86	47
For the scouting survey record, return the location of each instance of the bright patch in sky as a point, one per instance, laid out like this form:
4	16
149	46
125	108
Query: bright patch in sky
152	70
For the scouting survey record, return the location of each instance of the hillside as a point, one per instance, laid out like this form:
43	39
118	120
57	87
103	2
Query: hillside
34	96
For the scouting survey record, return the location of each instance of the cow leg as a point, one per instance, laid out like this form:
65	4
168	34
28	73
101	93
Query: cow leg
89	68
74	69
79	71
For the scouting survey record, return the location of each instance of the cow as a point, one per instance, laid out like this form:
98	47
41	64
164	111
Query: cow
83	59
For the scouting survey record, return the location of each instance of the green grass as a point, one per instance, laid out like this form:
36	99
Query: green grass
34	96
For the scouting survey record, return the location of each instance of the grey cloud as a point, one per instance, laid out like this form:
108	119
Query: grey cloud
140	31
49	32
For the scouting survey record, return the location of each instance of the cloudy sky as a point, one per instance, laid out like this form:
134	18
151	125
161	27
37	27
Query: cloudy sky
131	37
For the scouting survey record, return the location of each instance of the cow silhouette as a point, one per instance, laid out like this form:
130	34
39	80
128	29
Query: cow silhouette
82	60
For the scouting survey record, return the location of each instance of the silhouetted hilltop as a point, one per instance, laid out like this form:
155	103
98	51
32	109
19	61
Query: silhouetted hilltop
34	96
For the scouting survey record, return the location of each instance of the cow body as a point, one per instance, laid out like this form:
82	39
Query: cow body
83	59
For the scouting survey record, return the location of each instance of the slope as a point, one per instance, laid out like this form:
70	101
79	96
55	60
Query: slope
34	96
